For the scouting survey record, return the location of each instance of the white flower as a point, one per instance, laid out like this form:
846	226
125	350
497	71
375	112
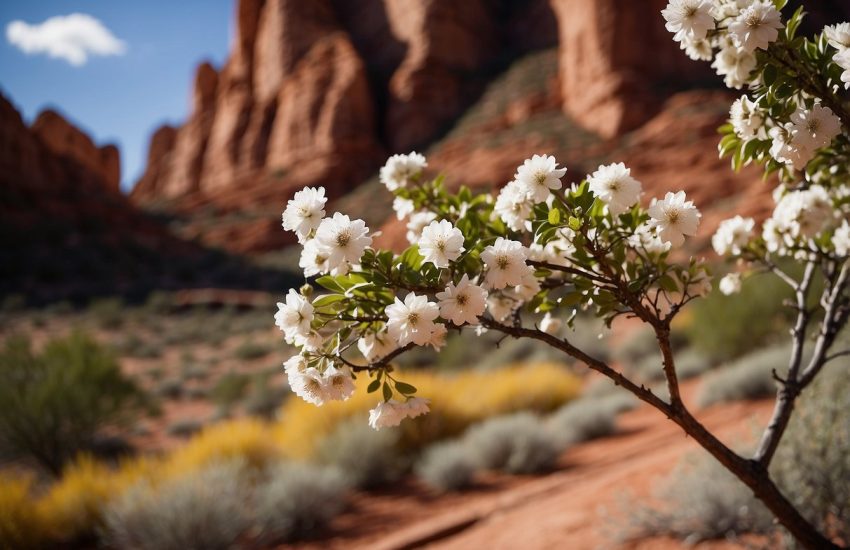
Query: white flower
462	303
698	50
745	117
440	243
513	206
688	19
615	186
816	127
539	175
756	26
732	235
841	239
418	221
500	306
438	336
842	59
342	240
400	170
339	385
773	236
295	315
309	385
528	287
838	35
505	261
411	320
790	147
311	341
802	213
313	261
402	207
730	284
376	345
549	324
734	66
304	212
646	238
674	217
390	413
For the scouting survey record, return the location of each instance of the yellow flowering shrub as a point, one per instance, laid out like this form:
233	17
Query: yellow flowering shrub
457	400
21	523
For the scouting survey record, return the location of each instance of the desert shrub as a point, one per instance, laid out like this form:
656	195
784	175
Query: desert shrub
264	398
691	363
134	346
230	388
170	388
245	439
724	327
184	427
517	444
21	524
648	368
196	392
749	377
813	462
249	350
458	400
108	313
298	500
699	501
193	371
589	418
203	509
447	466
53	404
366	458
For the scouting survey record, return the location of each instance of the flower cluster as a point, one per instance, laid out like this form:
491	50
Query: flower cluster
540	250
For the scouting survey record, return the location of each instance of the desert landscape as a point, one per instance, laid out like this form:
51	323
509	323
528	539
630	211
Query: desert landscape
145	401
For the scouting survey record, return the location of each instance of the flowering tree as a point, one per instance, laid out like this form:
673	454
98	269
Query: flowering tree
524	263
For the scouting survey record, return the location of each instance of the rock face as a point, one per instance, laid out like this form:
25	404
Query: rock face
65	140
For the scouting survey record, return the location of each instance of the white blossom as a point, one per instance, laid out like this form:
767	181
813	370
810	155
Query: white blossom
376	345
418	221
417	406
646	238
304	212
539	175
790	147
440	243
528	286
311	341
838	35
730	284
803	213
550	324
745	118
698	50
342	240
842	59
294	315
734	66
339	385
312	260
615	186
306	382
815	127
403	207
500	306
401	170
513	206
505	262
438	336
411	320
462	303
390	413
732	235
841	239
674	217
756	26
688	19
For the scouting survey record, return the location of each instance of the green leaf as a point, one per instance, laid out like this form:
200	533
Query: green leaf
554	216
373	385
411	258
769	75
330	283
404	388
388	392
668	283
327	299
574	223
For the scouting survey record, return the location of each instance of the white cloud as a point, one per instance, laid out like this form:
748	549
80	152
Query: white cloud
71	37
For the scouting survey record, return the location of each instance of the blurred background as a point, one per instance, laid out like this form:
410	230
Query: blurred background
147	151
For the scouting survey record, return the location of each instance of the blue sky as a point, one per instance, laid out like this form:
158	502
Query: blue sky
122	98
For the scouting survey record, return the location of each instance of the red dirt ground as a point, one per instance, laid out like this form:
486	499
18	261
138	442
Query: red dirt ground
575	507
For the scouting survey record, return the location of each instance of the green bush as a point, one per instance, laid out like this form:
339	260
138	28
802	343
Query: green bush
812	464
229	389
750	377
589	418
447	466
53	404
204	509
248	351
366	458
516	444
298	500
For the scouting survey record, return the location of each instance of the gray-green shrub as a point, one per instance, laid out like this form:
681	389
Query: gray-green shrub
749	377
366	458
447	466
517	444
298	500
588	418
54	403
204	510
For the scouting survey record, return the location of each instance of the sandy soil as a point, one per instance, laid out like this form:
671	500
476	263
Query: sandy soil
575	507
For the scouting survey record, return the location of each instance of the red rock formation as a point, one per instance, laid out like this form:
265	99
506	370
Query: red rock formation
65	140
